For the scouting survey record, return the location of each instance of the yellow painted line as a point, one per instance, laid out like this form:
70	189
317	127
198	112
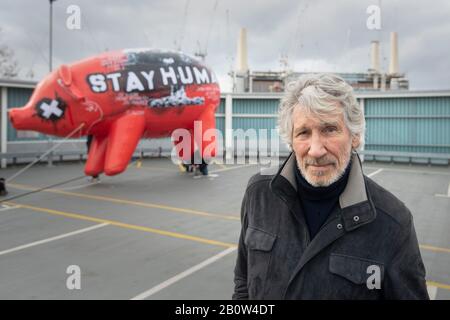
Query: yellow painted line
431	248
154	168
138	164
438	285
158	231
135	203
170	208
126	225
234	167
220	164
181	168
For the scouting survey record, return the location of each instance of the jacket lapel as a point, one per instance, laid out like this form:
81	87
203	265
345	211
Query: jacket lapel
284	185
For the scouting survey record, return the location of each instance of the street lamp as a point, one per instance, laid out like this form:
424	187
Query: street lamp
50	57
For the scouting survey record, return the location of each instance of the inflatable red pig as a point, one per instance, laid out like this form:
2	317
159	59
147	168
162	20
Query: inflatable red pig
120	97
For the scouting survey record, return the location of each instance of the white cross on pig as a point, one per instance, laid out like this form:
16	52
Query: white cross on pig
50	109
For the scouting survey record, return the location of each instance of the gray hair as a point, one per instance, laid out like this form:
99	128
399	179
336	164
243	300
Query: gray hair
321	94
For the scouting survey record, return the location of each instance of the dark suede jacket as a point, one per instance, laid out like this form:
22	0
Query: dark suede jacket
369	235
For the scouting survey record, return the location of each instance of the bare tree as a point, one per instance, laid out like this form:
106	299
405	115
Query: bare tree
9	67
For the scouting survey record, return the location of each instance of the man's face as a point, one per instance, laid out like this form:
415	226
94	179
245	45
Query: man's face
322	146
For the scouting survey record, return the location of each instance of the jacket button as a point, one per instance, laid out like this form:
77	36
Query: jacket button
356	218
339	226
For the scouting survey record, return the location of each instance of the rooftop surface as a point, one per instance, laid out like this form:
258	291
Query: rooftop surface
154	232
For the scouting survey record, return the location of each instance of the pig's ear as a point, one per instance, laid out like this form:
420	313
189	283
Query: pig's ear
65	74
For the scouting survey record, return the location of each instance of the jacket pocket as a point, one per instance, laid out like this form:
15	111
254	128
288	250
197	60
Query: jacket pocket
256	239
355	269
259	250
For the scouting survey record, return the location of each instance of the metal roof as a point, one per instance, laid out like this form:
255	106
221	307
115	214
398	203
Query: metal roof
15	83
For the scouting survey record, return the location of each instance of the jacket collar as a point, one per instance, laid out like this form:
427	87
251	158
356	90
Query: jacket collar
354	200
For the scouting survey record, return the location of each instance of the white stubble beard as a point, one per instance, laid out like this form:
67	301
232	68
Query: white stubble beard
340	172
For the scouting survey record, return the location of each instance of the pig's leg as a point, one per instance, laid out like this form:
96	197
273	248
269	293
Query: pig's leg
123	138
96	158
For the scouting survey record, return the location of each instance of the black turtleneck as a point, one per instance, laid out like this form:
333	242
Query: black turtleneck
319	202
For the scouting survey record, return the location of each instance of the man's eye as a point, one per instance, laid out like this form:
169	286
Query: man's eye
330	129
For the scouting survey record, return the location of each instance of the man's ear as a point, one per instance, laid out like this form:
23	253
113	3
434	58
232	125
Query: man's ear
356	140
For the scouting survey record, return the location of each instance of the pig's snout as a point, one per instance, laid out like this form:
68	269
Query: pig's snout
12	114
17	117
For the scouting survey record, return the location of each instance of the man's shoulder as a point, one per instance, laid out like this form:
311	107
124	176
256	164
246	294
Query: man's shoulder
259	180
388	204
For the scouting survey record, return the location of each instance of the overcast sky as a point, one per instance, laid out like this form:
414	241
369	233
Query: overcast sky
320	35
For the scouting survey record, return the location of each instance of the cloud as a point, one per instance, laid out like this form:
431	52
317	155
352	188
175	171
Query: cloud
329	36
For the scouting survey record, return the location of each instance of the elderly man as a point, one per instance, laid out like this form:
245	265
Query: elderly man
319	228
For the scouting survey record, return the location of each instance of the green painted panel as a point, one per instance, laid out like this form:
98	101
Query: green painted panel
408	124
255	106
18	97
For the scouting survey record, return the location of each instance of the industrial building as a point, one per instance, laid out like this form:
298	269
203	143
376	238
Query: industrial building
246	80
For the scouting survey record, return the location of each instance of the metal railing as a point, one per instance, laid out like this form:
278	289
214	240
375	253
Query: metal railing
159	152
22	157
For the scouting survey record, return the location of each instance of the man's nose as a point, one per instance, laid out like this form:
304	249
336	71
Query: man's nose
317	148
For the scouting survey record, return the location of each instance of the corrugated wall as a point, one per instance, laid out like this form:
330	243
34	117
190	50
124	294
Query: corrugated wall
406	124
265	109
18	97
255	106
220	120
221	108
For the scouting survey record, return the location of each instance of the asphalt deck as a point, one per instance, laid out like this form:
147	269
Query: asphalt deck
154	232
